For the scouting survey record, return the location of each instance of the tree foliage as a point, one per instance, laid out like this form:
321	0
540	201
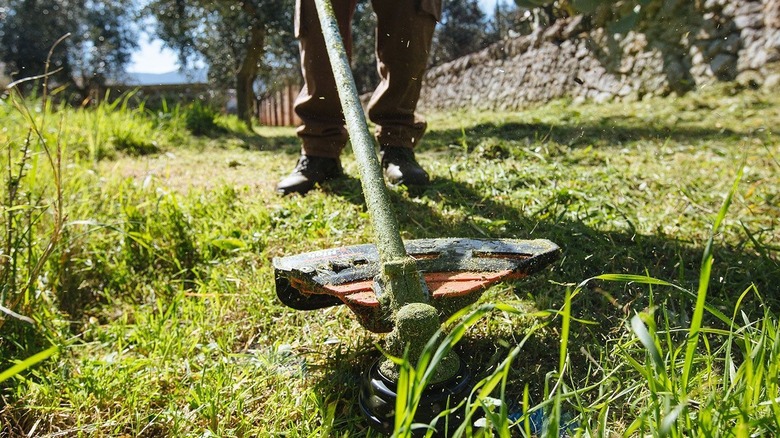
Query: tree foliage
462	30
465	29
240	41
510	20
102	39
620	15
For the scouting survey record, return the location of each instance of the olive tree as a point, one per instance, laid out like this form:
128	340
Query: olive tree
238	40
102	38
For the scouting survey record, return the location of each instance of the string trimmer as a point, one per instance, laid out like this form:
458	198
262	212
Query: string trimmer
404	288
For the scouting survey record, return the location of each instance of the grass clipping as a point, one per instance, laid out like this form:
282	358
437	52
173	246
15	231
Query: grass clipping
416	324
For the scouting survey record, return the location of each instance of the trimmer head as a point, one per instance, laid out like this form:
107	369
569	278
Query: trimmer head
403	287
456	272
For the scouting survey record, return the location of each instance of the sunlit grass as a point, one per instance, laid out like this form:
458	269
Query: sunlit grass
159	297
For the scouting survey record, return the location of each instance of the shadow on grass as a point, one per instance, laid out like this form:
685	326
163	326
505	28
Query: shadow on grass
340	385
609	131
255	141
586	252
288	144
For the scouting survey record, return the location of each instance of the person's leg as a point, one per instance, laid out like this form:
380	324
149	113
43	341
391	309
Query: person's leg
318	104
322	132
404	34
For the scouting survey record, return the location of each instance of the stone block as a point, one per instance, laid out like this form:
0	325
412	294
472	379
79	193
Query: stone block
773	40
625	90
749	7
602	97
709	28
772	82
701	71
732	43
697	58
553	32
582	50
573	27
730	9
715	4
675	71
714	48
724	65
755	21
758	60
750	78
743	63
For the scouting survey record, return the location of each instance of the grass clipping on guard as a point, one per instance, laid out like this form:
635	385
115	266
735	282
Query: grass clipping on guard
416	324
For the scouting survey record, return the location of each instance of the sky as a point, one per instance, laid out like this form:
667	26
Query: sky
152	57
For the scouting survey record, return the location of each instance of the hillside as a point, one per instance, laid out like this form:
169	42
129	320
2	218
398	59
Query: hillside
167	78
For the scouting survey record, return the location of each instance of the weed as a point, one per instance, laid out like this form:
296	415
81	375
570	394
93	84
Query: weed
29	237
200	119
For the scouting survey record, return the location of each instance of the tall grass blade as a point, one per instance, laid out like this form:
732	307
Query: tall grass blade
640	329
644	279
704	281
630	278
565	326
670	419
27	363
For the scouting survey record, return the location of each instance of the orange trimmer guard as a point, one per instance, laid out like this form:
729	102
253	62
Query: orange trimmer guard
455	271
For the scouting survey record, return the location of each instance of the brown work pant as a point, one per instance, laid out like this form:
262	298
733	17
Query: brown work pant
403	42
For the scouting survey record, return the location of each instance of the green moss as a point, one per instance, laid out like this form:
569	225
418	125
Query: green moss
415	325
403	284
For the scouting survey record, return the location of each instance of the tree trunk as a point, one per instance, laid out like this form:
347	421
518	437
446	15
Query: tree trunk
247	72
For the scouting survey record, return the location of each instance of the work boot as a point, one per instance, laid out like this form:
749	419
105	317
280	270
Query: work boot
309	170
401	167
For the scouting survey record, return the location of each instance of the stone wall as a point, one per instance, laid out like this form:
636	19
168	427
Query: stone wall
677	45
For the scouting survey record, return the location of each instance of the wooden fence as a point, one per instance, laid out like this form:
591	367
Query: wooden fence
277	109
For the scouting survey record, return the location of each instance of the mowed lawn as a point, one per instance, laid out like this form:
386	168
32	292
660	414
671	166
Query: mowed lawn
159	293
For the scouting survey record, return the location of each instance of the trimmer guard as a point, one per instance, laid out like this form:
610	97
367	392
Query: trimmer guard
456	272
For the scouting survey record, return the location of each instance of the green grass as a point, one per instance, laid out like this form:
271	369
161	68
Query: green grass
153	313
